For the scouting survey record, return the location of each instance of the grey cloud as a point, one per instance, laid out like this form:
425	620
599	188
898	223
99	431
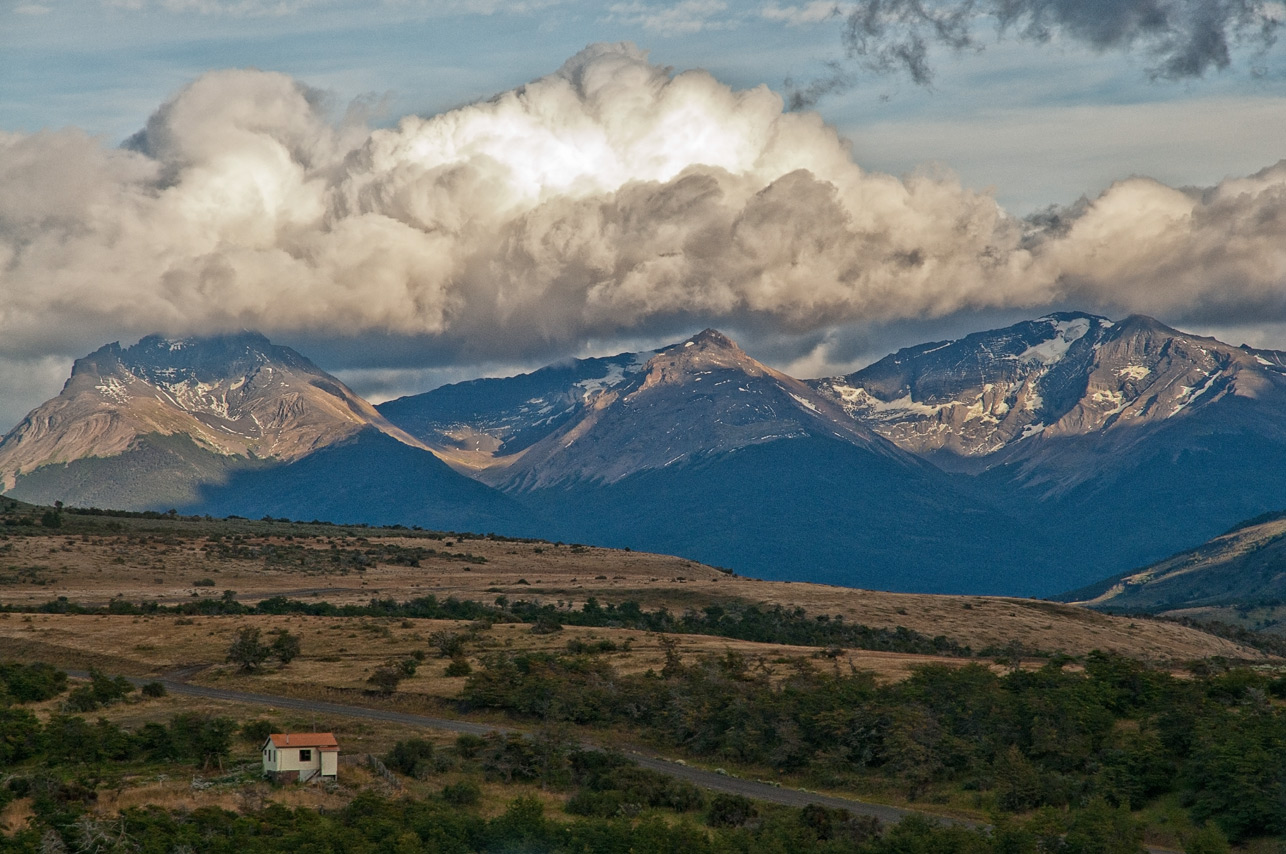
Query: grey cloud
895	35
1183	38
805	95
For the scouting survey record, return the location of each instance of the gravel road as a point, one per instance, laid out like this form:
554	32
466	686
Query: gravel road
710	780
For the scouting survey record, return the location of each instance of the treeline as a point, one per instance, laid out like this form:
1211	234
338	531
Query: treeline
70	740
791	626
1050	738
372	824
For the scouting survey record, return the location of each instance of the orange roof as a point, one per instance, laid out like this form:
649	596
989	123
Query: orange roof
319	740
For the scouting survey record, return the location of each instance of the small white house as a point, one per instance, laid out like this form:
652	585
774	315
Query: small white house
300	756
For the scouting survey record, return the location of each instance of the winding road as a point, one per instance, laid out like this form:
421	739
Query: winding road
711	780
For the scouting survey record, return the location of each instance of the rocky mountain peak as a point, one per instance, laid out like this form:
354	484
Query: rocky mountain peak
701	354
235	394
994	395
711	339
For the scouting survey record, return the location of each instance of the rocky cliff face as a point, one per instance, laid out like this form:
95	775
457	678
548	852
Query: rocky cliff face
702	397
236	395
1012	394
476	424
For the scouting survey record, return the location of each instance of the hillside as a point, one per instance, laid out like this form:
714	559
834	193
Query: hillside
94	560
1238	577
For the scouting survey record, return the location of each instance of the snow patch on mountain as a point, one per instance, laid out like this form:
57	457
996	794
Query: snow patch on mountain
1052	351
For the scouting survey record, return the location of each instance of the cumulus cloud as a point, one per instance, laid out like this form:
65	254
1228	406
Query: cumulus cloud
612	198
1211	254
1183	38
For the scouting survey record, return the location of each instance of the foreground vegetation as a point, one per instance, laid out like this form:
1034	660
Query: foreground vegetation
1090	752
591	801
1058	759
1055	737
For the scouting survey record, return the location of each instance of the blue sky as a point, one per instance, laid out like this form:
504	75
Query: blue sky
1031	124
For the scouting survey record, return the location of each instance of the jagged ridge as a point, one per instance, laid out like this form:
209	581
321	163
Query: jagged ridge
237	395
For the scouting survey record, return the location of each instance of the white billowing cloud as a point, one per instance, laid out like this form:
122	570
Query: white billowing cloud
1144	247
611	198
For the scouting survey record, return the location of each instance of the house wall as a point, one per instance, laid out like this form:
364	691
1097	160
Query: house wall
287	767
288	759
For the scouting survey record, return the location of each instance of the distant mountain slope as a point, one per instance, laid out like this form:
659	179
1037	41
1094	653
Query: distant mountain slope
237	396
698	398
812	508
155	472
371	478
1121	442
1015	395
472	423
979	395
1245	566
235	425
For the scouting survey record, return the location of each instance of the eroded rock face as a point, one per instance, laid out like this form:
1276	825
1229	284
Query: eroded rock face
232	394
701	397
1004	394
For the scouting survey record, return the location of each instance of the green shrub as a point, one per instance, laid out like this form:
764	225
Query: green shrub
256	731
730	811
458	667
413	757
462	794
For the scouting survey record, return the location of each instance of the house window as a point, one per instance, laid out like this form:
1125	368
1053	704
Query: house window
305	756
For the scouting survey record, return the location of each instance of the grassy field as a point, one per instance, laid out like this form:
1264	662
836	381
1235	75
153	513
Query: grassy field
91	560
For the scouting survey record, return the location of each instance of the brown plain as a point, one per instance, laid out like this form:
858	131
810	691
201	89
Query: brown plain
338	653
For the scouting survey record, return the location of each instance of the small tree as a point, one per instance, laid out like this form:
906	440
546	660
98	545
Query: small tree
256	731
247	651
285	646
449	644
385	679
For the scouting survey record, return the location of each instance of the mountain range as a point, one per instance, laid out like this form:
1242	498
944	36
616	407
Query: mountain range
1027	460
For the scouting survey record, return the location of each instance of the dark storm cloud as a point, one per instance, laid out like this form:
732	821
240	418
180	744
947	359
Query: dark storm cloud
1182	38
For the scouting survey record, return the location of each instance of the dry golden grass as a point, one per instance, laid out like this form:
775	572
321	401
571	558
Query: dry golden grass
16	816
93	568
340	653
